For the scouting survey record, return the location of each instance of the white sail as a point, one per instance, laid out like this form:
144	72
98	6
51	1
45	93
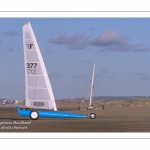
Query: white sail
38	89
92	87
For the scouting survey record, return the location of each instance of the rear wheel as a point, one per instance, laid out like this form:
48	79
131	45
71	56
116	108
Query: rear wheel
92	115
34	115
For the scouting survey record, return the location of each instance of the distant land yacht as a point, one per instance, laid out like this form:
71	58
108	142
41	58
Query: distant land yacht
91	91
90	106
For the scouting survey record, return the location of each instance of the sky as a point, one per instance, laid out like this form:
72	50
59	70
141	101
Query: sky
119	47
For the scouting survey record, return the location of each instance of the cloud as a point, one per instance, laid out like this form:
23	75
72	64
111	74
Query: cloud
106	41
146	77
140	48
110	77
10	49
113	41
79	76
143	76
92	29
140	73
108	38
54	74
10	33
104	69
75	41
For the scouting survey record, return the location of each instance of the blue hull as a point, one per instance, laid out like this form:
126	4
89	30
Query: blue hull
50	114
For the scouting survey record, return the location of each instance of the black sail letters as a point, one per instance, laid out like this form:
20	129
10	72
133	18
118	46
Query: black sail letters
29	46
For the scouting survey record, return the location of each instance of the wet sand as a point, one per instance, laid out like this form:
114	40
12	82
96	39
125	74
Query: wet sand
114	118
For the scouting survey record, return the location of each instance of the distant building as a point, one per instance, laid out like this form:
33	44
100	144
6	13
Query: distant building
11	102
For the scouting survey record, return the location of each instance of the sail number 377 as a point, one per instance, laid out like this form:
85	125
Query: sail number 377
31	68
31	65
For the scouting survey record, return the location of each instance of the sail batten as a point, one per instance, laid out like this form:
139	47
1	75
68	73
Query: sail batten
38	89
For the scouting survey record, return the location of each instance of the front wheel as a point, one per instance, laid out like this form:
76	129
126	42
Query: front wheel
92	115
34	115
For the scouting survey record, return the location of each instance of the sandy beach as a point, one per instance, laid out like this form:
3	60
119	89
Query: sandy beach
117	116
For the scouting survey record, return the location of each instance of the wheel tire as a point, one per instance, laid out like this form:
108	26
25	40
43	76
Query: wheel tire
34	115
92	115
